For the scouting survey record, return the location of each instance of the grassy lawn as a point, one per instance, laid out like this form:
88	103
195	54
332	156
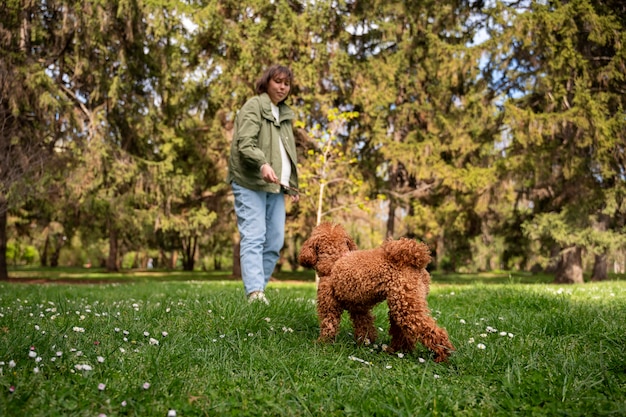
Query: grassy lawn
190	345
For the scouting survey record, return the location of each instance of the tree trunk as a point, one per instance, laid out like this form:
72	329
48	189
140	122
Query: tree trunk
56	253
293	258
601	261
600	268
162	258
440	253
391	218
555	260
4	273
569	269
136	260
44	254
237	260
112	265
189	252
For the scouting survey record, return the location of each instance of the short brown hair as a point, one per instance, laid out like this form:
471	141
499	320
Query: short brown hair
270	73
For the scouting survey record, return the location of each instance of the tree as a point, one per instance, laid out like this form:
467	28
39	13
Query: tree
427	131
33	116
563	67
330	166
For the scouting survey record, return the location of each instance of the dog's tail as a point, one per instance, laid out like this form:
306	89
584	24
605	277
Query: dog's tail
407	252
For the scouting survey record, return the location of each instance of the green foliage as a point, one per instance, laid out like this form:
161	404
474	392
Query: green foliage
566	86
328	172
117	117
563	229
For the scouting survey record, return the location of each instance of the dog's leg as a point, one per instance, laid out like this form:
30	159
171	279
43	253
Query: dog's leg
328	312
398	340
363	323
411	322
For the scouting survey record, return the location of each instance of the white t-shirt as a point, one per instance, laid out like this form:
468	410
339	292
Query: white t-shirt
285	173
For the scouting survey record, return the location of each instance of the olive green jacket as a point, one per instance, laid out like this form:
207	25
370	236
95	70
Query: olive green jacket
255	142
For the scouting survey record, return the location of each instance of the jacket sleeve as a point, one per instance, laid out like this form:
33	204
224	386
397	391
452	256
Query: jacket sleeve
248	134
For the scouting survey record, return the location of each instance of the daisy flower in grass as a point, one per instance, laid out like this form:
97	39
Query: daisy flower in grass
146	385
354	358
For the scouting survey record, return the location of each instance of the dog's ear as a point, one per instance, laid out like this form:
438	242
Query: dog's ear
351	245
308	254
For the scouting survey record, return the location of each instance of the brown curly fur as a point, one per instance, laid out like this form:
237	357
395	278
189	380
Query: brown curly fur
357	280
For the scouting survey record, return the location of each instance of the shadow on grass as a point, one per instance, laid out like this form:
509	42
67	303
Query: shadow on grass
80	275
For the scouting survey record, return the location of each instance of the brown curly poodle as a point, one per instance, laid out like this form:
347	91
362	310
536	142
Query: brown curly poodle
357	280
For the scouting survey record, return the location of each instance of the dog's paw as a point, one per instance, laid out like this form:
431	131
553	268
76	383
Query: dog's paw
325	340
363	341
442	353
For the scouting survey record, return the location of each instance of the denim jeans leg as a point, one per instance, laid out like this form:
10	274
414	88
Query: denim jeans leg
275	233
250	209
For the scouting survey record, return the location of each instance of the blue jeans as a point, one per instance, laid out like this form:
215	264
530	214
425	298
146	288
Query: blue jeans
261	223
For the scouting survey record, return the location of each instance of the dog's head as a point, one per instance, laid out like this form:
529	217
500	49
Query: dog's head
327	243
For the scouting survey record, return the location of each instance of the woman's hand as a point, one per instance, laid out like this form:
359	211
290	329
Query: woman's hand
268	174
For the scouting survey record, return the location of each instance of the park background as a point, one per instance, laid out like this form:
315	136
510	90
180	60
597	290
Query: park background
492	130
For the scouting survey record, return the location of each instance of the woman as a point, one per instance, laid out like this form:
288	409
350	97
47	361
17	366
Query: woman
261	169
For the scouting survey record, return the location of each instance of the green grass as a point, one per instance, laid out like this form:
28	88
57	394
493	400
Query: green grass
561	352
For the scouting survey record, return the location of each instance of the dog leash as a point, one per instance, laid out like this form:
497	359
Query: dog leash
286	187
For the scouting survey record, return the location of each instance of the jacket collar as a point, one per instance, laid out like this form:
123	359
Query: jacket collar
266	110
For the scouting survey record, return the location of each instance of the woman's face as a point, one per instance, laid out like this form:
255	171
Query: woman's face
278	88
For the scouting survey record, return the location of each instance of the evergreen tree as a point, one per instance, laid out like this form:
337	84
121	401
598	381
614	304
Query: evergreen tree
562	68
428	119
34	121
